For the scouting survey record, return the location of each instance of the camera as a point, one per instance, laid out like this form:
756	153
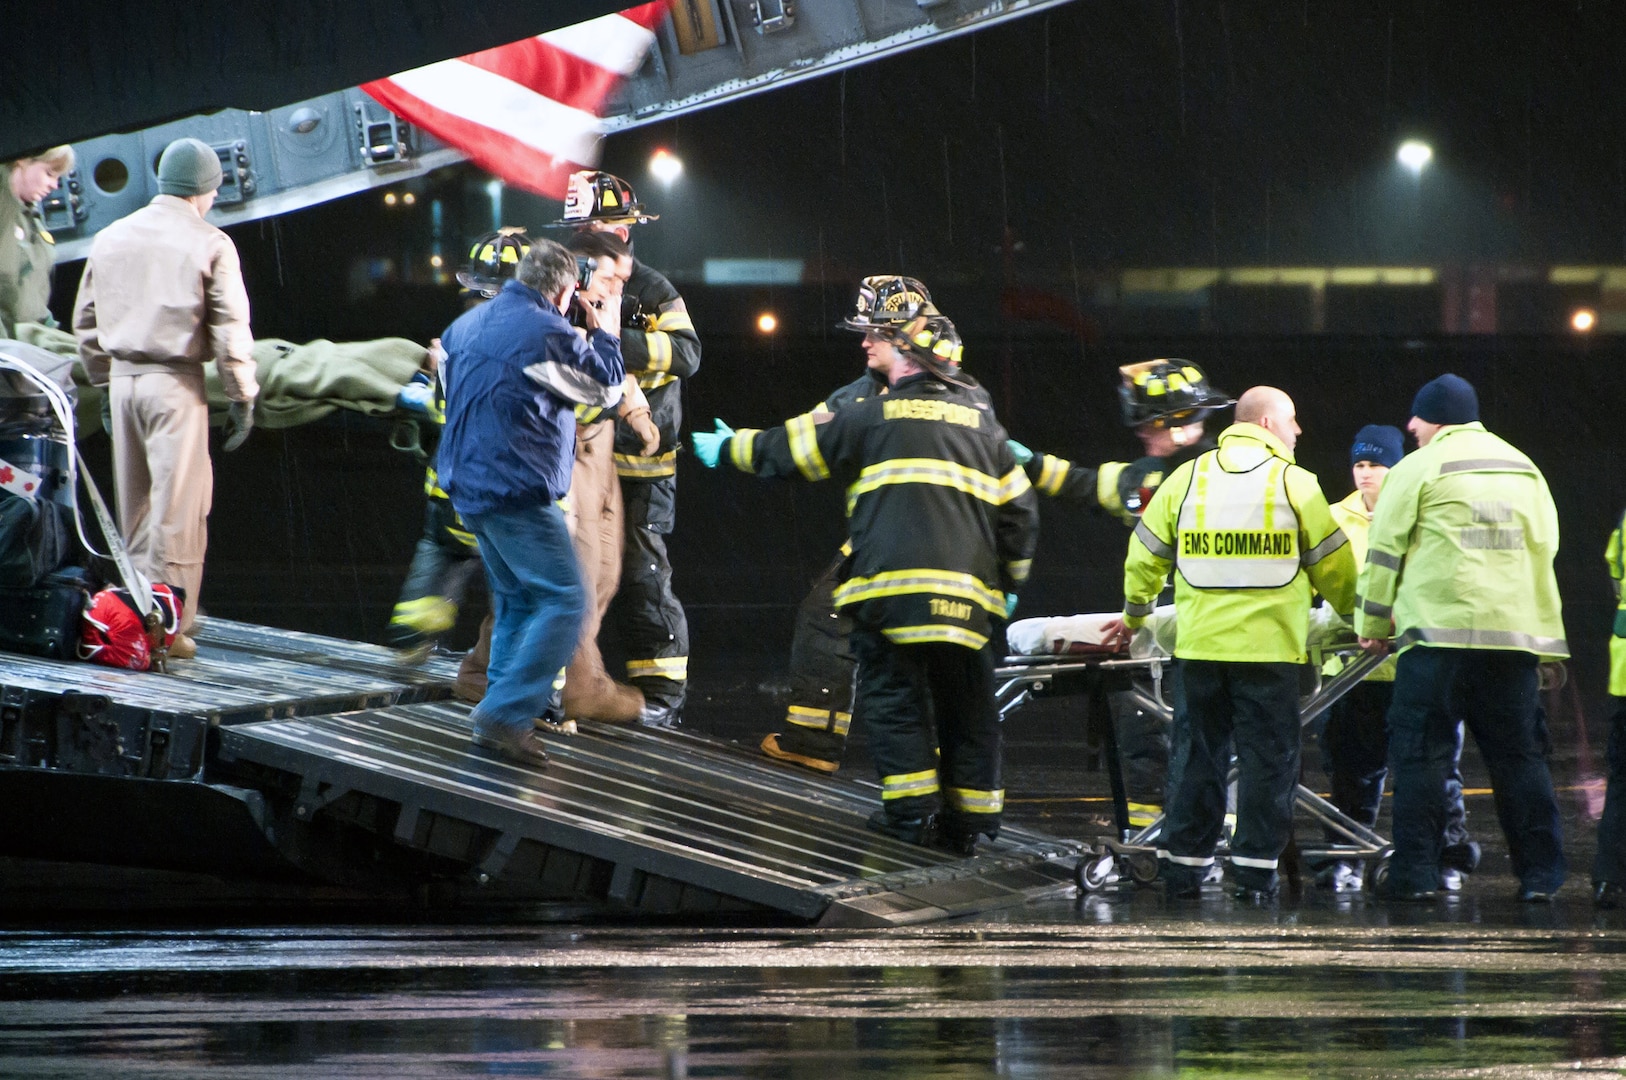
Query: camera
584	277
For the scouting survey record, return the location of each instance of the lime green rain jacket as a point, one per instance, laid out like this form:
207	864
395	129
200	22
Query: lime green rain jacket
1248	534
1353	517
1617	642
1461	550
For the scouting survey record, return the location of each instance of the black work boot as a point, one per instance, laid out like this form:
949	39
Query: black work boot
958	835
918	830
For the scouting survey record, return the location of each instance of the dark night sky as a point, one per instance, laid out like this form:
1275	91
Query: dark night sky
1156	134
1109	136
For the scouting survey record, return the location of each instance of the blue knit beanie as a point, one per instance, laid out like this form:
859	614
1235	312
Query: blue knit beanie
1380	444
1450	399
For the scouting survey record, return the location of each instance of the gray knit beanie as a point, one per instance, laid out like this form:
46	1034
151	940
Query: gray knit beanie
188	167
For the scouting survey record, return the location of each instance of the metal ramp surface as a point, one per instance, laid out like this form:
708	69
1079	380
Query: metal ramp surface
88	718
657	821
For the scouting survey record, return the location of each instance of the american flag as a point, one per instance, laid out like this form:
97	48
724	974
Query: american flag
527	112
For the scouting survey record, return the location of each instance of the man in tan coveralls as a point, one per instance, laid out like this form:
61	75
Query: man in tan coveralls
162	293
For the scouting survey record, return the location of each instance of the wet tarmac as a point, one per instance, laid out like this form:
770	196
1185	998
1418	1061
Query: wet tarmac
1119	983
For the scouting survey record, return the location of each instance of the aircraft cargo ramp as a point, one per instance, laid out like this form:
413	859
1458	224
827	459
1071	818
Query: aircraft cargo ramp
276	752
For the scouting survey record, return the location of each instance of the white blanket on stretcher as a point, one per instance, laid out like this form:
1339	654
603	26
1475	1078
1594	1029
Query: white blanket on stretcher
1064	635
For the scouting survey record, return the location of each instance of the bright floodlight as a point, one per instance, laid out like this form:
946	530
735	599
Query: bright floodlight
665	167
1414	155
767	323
1583	320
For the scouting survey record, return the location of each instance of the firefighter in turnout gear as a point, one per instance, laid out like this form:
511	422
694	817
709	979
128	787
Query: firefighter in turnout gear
1459	578
659	346
447	558
1165	403
943	525
1248	534
818	714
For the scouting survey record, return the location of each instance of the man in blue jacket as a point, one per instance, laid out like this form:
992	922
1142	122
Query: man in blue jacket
514	371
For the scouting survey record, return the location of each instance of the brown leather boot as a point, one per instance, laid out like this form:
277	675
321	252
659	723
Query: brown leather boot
471	673
601	698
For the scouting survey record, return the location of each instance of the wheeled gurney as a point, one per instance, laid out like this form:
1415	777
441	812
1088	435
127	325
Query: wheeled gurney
1076	667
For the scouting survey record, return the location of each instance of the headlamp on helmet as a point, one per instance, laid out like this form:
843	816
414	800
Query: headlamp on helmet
602	197
1167	393
494	259
887	300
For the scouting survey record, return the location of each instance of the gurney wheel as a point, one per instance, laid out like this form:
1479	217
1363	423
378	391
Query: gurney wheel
1143	868
1095	872
1377	874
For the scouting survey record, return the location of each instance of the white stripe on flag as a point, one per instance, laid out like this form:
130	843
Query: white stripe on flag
504	106
609	41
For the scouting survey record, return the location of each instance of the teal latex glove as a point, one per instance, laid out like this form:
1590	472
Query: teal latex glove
1023	454
1010	604
708	447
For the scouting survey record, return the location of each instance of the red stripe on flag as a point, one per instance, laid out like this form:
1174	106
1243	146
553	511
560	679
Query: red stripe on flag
647	15
543	68
516	162
550	71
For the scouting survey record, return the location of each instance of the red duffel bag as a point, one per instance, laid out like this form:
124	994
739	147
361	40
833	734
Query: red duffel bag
114	633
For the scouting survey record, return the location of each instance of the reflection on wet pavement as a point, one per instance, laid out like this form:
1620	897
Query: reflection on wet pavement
1116	984
1312	990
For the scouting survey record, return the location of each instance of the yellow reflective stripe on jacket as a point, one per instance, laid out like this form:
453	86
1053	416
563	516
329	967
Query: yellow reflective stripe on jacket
1106	489
660	351
935	634
1052	473
431	485
586	414
949	474
804	448
676	319
463	536
972	801
654	380
675	668
638	467
1019	569
426	614
906	785
846	548
905	582
742	449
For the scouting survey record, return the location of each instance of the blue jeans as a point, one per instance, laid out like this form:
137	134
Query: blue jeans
1610	864
1255	708
1355	755
538	603
1495	693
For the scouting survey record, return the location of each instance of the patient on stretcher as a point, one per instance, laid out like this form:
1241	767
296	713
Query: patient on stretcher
1084	635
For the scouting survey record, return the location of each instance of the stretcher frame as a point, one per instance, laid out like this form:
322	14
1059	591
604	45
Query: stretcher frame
1022	678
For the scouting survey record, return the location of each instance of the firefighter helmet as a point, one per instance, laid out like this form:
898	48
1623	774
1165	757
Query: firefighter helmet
887	300
1167	393
601	197
930	340
493	259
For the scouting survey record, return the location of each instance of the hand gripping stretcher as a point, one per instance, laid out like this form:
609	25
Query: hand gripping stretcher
1067	666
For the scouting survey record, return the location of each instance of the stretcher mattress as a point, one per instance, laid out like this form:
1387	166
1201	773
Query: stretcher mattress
1081	635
